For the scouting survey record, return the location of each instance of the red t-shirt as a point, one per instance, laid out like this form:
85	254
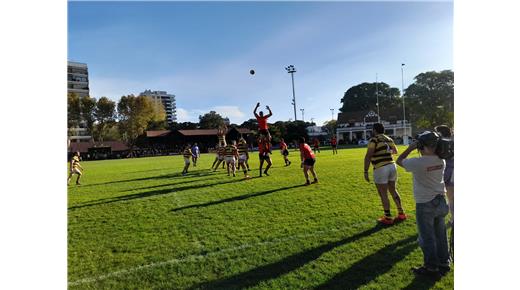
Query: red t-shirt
306	151
316	142
333	141
263	147
262	122
283	146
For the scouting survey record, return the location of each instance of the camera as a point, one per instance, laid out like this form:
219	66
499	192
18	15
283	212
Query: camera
444	148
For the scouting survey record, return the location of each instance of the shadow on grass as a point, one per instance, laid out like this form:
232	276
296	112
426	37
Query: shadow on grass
235	198
193	173
274	270
372	266
421	283
170	184
149	194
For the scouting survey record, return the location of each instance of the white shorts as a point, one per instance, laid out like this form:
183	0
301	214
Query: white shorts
242	158
220	158
383	175
230	159
186	161
75	171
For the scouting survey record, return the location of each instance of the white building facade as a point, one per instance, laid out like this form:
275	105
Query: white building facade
356	126
168	101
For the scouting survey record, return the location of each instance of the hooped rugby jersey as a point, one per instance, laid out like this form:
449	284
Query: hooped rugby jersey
382	146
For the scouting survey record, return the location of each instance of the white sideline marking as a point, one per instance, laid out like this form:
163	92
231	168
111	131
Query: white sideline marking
193	258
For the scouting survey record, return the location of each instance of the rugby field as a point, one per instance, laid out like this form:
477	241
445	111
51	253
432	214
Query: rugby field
139	224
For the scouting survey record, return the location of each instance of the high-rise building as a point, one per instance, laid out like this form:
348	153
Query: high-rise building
77	78
168	101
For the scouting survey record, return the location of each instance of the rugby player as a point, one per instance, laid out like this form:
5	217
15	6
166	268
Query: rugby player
316	145
221	134
334	144
285	152
195	154
308	160
231	157
264	147
187	155
379	153
243	155
262	120
221	151
75	168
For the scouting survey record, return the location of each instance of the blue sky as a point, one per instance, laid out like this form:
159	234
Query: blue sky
202	51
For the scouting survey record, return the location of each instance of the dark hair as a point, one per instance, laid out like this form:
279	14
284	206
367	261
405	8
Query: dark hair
301	139
427	139
379	128
444	130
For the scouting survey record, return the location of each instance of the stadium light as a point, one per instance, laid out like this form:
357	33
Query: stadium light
405	137
303	114
377	102
291	69
332	112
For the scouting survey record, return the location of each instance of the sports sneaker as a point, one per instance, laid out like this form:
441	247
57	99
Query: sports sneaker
443	270
423	271
315	181
265	172
401	217
386	220
307	183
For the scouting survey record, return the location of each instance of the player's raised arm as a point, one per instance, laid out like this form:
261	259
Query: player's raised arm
256	108
270	112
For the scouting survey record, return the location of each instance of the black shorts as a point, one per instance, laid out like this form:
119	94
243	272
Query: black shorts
334	146
309	161
285	152
264	156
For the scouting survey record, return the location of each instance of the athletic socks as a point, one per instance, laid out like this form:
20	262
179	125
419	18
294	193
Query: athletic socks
388	214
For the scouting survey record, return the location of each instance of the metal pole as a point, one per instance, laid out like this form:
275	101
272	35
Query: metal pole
293	96
303	114
377	100
332	111
405	138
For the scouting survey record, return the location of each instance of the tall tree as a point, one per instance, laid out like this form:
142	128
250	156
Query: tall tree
429	100
211	120
135	115
363	97
88	106
159	120
330	126
251	124
105	113
73	111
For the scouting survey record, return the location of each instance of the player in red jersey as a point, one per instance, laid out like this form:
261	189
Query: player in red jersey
264	148
308	160
316	145
262	120
334	144
285	152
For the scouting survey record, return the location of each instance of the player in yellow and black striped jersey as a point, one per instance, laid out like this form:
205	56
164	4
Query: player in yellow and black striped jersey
231	157
379	153
221	151
187	155
243	156
75	168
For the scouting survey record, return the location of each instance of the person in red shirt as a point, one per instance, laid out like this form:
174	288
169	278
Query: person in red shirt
262	120
264	148
316	145
308	160
334	144
285	152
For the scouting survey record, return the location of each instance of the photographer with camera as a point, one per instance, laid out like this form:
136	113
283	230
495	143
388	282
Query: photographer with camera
447	137
430	203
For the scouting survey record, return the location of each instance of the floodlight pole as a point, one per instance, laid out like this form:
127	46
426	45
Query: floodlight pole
291	69
332	113
303	114
405	137
377	102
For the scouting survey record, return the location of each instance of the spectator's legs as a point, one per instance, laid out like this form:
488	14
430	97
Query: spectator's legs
441	238
425	219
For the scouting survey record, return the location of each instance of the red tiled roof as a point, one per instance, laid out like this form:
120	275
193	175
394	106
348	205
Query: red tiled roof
84	146
157	133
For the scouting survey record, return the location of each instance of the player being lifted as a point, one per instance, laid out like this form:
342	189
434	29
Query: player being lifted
221	134
263	129
75	168
264	148
243	155
187	155
231	157
308	160
285	152
334	144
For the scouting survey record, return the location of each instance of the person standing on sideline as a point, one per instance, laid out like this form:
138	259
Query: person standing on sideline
334	144
430	204
447	134
195	154
75	168
187	155
308	160
285	152
379	153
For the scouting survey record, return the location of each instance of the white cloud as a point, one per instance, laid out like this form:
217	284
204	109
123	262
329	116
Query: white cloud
232	112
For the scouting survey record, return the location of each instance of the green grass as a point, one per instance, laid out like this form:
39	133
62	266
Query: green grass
138	224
